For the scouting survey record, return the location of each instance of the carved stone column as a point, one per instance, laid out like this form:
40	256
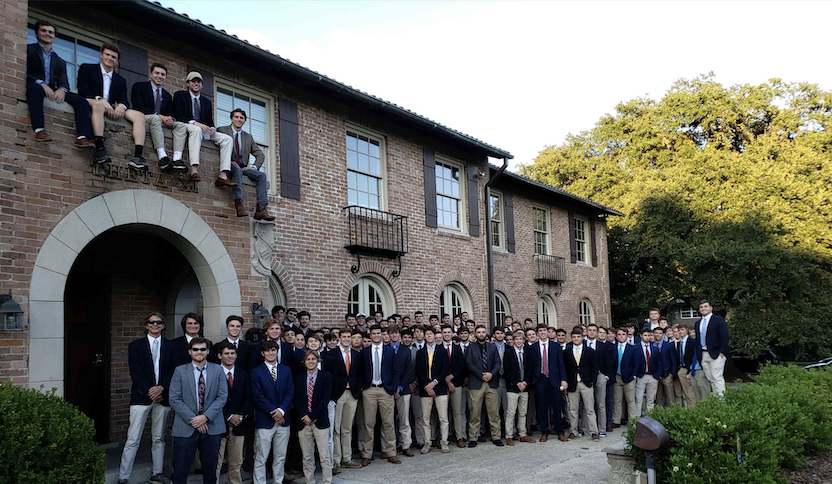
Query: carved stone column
622	467
262	246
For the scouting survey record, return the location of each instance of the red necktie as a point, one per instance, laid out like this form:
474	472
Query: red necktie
309	392
545	360
647	349
230	380
449	352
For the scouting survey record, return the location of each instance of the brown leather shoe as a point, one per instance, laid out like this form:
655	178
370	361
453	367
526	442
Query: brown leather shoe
595	438
336	470
238	205
609	428
42	136
509	441
393	460
223	182
365	462
351	464
481	438
616	426
263	215
562	438
571	436
84	143
460	443
544	437
527	439
408	452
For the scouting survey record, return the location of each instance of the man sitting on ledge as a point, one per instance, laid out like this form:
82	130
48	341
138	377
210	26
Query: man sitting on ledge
152	100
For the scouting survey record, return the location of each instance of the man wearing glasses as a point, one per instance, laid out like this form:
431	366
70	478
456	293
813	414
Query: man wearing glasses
151	361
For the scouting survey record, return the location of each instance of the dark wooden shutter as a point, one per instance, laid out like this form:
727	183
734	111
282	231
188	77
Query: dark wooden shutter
289	150
473	202
429	160
132	65
207	84
509	215
592	243
573	247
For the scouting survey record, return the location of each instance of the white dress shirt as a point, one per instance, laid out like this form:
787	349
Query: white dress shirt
107	77
151	340
702	330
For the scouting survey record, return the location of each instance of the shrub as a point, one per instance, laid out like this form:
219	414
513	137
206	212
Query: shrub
46	439
778	420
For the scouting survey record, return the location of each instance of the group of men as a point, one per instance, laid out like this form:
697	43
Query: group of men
103	93
421	381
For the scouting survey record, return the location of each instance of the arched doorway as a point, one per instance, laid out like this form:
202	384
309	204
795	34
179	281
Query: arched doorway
108	218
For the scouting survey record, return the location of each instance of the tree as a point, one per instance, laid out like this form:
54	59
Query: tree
727	195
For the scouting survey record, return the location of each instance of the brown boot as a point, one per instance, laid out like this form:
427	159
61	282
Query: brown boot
241	211
262	214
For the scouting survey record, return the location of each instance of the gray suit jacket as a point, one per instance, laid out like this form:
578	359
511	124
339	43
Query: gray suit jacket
474	364
247	146
183	399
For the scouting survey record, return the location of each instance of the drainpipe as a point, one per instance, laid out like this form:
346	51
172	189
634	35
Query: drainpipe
488	250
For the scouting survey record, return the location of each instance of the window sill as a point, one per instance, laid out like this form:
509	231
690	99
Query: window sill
450	233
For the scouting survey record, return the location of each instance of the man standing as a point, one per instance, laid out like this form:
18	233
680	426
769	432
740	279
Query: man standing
233	327
198	112
46	78
345	391
483	364
235	411
244	146
669	363
431	376
379	370
499	335
581	373
517	386
402	396
151	361
625	375
648	373
604	359
686	351
415	400
311	407
285	351
152	100
712	346
549	380
198	393
455	383
192	327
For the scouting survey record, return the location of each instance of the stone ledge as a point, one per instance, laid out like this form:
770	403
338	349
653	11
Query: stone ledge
622	467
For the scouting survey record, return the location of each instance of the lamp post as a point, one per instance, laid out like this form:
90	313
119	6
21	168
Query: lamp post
650	436
11	313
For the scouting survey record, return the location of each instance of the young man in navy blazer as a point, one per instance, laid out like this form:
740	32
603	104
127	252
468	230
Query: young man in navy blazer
106	93
52	83
379	382
234	329
152	100
314	391
712	346
685	348
235	412
517	374
604	360
580	363
432	370
272	391
192	326
345	392
549	381
402	396
483	364
626	359
648	372
151	361
456	379
670	364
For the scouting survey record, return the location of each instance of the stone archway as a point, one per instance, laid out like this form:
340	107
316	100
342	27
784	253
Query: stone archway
153	211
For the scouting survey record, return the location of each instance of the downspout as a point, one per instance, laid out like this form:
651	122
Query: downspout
492	316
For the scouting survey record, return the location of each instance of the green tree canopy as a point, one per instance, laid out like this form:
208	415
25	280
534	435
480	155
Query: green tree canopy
726	193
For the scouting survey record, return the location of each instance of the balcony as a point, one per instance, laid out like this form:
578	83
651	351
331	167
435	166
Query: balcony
377	233
550	269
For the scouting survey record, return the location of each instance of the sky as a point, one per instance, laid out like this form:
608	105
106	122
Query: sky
524	75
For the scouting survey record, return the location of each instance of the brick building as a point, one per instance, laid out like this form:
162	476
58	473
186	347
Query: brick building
376	207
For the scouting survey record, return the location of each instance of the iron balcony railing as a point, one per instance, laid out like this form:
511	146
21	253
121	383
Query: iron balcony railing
375	231
550	268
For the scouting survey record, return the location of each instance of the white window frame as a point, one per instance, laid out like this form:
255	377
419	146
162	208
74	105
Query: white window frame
582	246
500	299
463	179
447	297
380	286
586	313
694	313
382	140
547	312
547	248
500	221
271	153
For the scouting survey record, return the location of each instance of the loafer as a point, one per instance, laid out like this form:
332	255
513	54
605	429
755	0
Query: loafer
472	444
509	441
351	465
616	426
223	182
571	436
595	438
336	470
408	452
460	443
562	438
84	143
160	479
481	438
544	437
165	163
609	428
42	136
393	460
527	439
498	442
138	163
365	462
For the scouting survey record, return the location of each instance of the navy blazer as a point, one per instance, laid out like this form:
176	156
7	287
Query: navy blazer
321	396
183	108
456	364
180	350
474	365
629	361
267	395
557	372
389	368
605	357
438	370
243	351
655	362
670	361
287	356
587	368
142	375
239	400
91	84
686	360
35	69
338	369
512	369
716	338
144	102
405	366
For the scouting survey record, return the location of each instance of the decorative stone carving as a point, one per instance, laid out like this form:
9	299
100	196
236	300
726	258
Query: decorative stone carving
262	246
622	467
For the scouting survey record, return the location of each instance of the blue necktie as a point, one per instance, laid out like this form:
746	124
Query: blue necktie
197	116
620	356
520	356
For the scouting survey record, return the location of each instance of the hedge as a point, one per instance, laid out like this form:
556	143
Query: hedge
775	422
46	439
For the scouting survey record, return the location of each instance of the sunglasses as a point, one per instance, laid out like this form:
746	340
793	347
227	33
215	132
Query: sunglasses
199	350
155	322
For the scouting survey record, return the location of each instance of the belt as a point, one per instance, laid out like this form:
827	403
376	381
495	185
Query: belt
377	386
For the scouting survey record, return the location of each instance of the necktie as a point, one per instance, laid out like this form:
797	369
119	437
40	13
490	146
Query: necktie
230	381
274	373
309	390
620	356
155	355
237	149
376	365
347	361
681	353
545	363
520	359
201	390
578	359
702	330
278	353
449	352
158	105
502	352
647	352
484	358
197	117
430	364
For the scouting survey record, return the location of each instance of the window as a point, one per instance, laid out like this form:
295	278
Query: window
688	313
71	45
546	312
541	230
496	212
365	170
448	195
581	240
454	300
276	295
259	122
501	308
369	294
585	313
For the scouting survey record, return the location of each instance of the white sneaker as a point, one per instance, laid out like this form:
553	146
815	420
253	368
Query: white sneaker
425	448
445	448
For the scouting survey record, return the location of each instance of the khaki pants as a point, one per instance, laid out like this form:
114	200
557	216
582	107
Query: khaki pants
194	136
518	405
157	135
458	408
309	437
701	385
236	444
601	401
342	427
587	395
475	399
714	369
441	402
376	399
623	391
666	389
274	440
646	388
687	388
138	418
416	412
403	409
